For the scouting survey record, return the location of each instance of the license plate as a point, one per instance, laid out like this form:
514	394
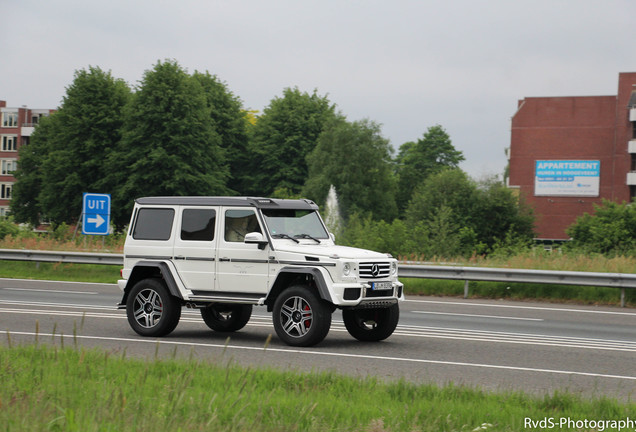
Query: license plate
381	286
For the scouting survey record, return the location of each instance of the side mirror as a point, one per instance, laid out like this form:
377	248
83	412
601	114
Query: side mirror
256	238
332	237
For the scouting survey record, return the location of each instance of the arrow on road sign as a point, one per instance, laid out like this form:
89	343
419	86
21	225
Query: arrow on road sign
98	220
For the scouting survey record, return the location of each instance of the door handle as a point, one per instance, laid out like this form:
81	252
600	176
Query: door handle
224	259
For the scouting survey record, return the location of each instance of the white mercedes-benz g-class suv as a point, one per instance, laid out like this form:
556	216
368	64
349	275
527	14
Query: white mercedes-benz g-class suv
223	255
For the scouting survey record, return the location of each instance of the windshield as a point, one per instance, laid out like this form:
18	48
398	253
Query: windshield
294	224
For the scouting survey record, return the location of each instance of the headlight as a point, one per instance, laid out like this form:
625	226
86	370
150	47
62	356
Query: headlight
393	268
346	269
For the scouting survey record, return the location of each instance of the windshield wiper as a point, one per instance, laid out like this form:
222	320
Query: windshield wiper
286	236
307	236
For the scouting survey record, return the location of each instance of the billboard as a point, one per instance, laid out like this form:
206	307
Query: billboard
567	178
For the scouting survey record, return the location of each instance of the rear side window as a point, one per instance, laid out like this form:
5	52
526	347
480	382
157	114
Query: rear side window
198	224
153	224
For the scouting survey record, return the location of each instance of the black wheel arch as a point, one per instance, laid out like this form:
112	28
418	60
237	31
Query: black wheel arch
148	270
289	276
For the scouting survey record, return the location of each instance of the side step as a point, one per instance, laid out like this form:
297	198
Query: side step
220	297
226	297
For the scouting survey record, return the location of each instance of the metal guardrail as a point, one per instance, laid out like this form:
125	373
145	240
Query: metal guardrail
61	256
556	277
614	280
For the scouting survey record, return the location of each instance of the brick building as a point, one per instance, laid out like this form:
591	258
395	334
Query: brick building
567	153
16	127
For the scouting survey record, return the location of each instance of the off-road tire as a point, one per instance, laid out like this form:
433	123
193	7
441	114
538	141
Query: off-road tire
151	309
301	317
371	325
223	317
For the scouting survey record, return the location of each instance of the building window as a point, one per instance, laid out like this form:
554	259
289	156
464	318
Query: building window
7	166
9	143
5	190
10	119
4	211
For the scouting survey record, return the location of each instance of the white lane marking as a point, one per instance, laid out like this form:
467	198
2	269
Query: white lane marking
580	344
335	354
402	330
539	308
477	315
50	291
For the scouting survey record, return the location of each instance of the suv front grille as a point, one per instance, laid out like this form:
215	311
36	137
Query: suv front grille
375	270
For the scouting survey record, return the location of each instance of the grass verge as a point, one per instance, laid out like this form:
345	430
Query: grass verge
77	389
59	271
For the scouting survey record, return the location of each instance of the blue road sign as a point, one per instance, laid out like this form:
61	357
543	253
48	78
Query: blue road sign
95	214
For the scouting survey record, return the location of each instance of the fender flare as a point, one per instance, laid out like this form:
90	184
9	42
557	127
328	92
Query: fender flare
315	273
146	269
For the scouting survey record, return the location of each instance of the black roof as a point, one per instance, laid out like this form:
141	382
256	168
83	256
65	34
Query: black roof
266	203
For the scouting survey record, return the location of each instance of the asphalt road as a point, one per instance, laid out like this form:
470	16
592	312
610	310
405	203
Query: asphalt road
496	345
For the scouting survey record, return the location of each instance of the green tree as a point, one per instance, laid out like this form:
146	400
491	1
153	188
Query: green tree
169	145
611	230
25	206
501	216
282	138
366	233
416	161
230	121
451	188
356	159
67	151
451	208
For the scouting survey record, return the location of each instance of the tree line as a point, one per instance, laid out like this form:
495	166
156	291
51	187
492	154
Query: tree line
181	133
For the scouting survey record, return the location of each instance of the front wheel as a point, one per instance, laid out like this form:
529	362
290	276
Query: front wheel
301	317
371	325
226	317
151	310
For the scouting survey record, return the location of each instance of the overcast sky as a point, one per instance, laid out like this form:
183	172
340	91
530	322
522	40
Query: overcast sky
407	65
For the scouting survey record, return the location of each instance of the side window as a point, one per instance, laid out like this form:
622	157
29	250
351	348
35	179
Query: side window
153	224
198	224
238	223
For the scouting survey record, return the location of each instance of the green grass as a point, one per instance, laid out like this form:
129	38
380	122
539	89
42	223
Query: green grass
59	271
76	389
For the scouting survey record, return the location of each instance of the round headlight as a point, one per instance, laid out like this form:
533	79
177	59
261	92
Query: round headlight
393	268
346	269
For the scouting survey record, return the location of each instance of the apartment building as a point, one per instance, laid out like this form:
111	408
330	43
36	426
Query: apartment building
568	153
16	127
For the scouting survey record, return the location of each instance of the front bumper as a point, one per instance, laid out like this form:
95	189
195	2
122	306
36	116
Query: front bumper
361	295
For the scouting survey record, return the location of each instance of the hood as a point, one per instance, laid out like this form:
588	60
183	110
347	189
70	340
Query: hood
325	250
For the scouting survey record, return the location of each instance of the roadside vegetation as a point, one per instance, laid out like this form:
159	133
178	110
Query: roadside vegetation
198	139
40	385
577	256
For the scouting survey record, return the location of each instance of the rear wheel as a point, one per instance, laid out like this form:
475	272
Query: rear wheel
151	310
226	317
370	325
301	317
